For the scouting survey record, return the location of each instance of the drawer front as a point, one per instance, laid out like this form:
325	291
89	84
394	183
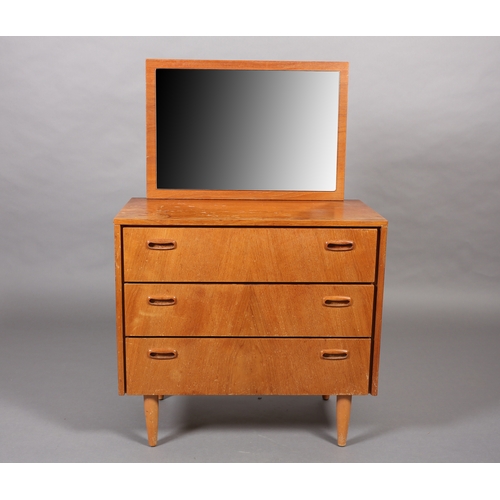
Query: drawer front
194	366
249	254
248	310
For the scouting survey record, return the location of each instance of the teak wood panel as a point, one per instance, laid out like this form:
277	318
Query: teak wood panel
379	296
248	310
245	366
119	310
146	212
151	181
249	254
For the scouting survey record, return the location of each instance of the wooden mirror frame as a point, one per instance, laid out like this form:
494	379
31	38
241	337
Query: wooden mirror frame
152	190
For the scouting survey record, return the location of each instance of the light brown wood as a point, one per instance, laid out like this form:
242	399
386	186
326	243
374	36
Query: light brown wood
119	310
349	213
343	417
247	366
250	255
248	292
240	333
151	414
151	186
379	295
247	310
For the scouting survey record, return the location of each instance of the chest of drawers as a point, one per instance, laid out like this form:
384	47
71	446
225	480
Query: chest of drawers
248	297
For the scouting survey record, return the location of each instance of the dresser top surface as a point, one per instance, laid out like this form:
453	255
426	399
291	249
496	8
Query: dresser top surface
154	212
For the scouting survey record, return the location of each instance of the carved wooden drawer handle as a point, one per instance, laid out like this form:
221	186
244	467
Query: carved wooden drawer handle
337	301
339	246
160	355
162	245
334	354
162	301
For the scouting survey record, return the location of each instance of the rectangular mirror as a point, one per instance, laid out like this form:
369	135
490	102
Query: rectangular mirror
246	129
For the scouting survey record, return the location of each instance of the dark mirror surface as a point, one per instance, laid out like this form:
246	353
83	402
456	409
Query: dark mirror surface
246	129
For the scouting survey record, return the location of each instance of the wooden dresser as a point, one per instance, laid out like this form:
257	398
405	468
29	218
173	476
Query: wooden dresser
249	297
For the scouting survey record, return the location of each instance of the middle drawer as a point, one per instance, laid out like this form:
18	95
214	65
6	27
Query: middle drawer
166	310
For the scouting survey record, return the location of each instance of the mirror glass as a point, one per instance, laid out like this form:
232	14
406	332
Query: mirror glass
246	129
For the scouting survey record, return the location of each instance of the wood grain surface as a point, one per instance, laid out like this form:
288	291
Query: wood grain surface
246	366
145	212
248	310
249	255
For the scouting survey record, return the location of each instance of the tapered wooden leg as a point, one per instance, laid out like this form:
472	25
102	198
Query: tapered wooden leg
343	415
326	397
151	413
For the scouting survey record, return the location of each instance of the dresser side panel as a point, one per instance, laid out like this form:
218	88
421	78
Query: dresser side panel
119	309
379	296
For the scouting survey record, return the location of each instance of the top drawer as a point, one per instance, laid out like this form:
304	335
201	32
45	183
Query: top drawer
204	254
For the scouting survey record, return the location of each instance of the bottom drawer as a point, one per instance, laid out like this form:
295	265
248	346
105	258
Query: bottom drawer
269	366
